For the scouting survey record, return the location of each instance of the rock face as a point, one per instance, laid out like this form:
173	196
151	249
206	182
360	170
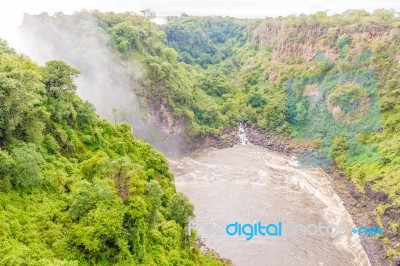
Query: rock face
229	137
377	196
392	230
362	211
169	124
368	35
396	261
268	139
390	217
312	38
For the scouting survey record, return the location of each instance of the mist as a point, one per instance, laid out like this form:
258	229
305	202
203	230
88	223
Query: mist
113	87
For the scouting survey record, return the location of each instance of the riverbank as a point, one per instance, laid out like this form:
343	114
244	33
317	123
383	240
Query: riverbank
361	206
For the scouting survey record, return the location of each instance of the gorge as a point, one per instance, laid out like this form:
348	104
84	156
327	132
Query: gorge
215	95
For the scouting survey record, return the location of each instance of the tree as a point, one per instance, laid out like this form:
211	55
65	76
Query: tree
27	172
99	215
154	193
256	100
59	77
148	14
114	111
20	90
180	209
7	163
170	54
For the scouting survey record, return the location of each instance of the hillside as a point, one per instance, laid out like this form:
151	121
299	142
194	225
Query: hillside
76	189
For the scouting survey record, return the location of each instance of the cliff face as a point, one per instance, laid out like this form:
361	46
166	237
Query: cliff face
304	41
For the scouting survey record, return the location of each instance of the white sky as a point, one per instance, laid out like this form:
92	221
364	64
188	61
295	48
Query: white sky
11	11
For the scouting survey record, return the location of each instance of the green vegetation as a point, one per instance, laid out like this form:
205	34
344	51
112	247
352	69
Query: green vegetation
76	189
211	73
204	41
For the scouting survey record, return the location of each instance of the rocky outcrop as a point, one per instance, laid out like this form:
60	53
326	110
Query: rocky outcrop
268	139
303	41
396	261
226	139
362	210
377	196
167	121
256	136
390	220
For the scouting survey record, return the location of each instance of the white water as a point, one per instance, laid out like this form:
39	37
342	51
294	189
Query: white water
247	183
242	136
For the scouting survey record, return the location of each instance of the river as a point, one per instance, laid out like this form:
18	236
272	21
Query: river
248	183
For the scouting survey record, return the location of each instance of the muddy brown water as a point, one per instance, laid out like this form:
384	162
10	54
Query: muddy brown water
247	184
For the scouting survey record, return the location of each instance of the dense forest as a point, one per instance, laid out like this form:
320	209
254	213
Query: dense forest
76	189
210	73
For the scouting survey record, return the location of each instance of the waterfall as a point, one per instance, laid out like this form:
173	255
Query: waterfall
242	134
